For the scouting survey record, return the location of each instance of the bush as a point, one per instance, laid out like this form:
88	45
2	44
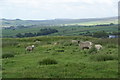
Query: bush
7	55
103	57
60	50
48	42
67	44
92	50
100	34
47	61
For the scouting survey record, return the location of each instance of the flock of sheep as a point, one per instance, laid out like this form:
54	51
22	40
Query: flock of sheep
87	44
82	45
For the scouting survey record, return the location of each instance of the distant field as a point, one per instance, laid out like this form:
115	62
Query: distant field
65	27
96	22
65	60
62	30
58	22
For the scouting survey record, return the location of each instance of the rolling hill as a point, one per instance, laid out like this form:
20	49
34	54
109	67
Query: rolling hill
65	27
89	21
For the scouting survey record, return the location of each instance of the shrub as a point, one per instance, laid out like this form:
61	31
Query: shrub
100	34
7	55
48	42
47	61
60	50
66	43
103	57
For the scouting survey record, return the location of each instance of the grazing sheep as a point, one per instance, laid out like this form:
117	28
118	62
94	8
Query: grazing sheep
37	42
30	48
75	41
98	47
85	45
56	43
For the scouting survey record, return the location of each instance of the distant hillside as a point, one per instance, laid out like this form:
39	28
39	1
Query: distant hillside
89	21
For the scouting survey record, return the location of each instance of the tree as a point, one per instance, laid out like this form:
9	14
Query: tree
29	35
46	31
19	35
100	34
111	24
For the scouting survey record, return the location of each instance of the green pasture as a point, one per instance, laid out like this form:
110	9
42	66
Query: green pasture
64	60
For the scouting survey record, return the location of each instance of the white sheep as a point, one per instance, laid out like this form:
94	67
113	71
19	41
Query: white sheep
37	42
30	48
56	43
85	45
98	47
75	41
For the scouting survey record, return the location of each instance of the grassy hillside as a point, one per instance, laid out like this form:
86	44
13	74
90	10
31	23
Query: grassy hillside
115	21
89	21
64	60
65	27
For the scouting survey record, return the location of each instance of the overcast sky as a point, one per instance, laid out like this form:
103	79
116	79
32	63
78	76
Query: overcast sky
51	9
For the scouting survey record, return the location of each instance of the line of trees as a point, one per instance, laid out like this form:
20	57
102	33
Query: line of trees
100	34
45	31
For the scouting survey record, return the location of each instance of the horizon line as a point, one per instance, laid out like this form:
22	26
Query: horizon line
59	18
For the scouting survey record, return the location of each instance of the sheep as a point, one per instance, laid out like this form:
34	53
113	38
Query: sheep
56	43
85	45
37	42
98	47
30	48
75	41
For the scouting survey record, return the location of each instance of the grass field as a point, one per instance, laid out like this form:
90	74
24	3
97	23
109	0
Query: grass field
115	21
64	60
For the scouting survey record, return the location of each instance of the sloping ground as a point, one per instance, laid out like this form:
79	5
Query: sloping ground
115	21
8	22
64	60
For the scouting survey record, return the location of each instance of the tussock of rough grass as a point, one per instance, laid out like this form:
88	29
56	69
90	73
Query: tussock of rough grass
92	50
7	55
48	61
103	57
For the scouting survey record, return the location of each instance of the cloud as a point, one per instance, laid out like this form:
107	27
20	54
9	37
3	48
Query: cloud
54	2
45	9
